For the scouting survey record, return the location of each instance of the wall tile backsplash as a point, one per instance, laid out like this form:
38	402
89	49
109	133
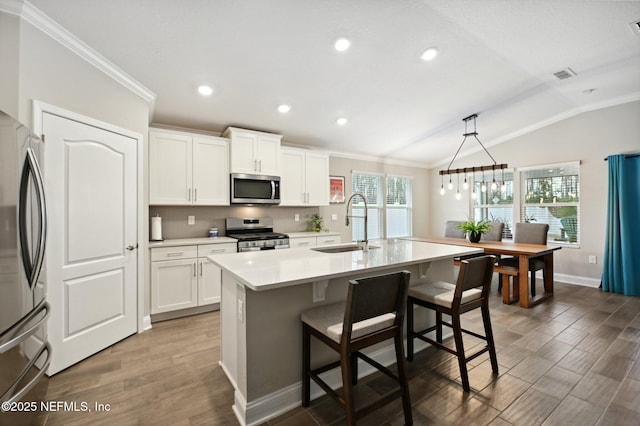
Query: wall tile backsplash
174	218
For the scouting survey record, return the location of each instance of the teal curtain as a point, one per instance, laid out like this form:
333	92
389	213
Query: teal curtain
621	269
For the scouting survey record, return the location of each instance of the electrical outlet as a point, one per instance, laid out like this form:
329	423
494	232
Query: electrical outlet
240	310
296	217
334	217
191	220
593	259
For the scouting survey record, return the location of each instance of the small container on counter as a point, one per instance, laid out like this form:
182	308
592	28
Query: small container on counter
213	232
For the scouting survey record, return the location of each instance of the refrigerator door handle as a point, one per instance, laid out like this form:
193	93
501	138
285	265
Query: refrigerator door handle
32	169
12	394
15	335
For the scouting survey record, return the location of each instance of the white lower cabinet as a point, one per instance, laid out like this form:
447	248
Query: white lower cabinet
328	240
188	279
302	242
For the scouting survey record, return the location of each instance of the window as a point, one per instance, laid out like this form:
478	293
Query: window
550	194
371	186
389	201
399	216
496	204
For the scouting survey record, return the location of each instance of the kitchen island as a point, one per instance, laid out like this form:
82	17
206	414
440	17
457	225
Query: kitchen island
263	294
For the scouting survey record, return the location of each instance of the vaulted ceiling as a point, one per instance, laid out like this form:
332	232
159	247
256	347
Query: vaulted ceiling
497	58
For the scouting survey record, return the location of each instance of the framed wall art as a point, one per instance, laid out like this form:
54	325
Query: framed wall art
336	187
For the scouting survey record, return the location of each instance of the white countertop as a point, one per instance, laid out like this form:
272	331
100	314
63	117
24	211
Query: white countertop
191	241
263	270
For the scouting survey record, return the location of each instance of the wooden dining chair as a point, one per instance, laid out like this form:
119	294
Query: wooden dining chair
530	233
374	312
471	291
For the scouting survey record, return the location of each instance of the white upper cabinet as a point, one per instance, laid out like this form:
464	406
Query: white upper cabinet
254	152
304	178
187	169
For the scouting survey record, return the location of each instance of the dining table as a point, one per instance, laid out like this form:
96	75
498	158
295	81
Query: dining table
523	252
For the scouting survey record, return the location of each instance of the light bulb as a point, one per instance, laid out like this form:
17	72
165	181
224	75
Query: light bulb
494	185
442	191
503	187
483	187
465	185
474	195
450	185
458	195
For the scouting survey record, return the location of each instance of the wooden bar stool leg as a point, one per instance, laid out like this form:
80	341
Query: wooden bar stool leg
486	319
402	378
439	327
354	368
457	335
306	365
409	326
347	387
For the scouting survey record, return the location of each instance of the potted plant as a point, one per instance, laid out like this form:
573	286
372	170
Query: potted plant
474	230
315	223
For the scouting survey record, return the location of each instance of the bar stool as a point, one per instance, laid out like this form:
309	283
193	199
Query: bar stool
471	291
373	312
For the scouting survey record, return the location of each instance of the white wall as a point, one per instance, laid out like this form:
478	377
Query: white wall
40	68
588	137
341	166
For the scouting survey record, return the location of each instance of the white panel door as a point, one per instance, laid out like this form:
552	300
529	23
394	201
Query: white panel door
210	171
91	179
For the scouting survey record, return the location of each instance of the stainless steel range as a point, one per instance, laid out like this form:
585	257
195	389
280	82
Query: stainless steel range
255	234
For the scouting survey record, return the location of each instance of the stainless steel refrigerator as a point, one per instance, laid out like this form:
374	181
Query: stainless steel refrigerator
24	351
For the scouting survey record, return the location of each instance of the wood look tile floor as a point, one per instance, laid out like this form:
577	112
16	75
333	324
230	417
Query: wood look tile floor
572	360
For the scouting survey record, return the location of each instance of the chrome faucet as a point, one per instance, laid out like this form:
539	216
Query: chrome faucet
365	242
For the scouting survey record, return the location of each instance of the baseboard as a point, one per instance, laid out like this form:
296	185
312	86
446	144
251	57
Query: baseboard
146	323
286	399
574	279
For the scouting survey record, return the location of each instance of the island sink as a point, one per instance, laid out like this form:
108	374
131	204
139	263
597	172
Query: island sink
342	249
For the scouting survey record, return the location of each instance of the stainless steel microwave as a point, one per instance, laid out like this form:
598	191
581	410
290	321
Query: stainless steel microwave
254	189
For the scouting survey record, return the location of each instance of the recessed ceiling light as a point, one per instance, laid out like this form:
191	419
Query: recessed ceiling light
284	108
342	44
205	90
341	121
429	54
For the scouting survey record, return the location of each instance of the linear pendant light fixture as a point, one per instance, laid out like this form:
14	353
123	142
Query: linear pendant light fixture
493	167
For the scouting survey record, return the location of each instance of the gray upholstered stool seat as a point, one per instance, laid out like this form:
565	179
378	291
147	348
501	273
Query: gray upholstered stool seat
329	319
442	293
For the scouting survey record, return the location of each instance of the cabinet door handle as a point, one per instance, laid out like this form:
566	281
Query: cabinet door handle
200	265
175	253
329	241
303	243
189	194
195	195
194	269
217	251
255	165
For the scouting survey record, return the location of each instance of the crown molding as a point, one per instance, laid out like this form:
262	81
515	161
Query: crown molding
55	31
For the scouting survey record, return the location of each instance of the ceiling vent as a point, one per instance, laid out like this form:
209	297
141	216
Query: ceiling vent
635	27
564	74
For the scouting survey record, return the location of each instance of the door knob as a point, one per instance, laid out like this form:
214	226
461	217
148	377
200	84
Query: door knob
132	246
